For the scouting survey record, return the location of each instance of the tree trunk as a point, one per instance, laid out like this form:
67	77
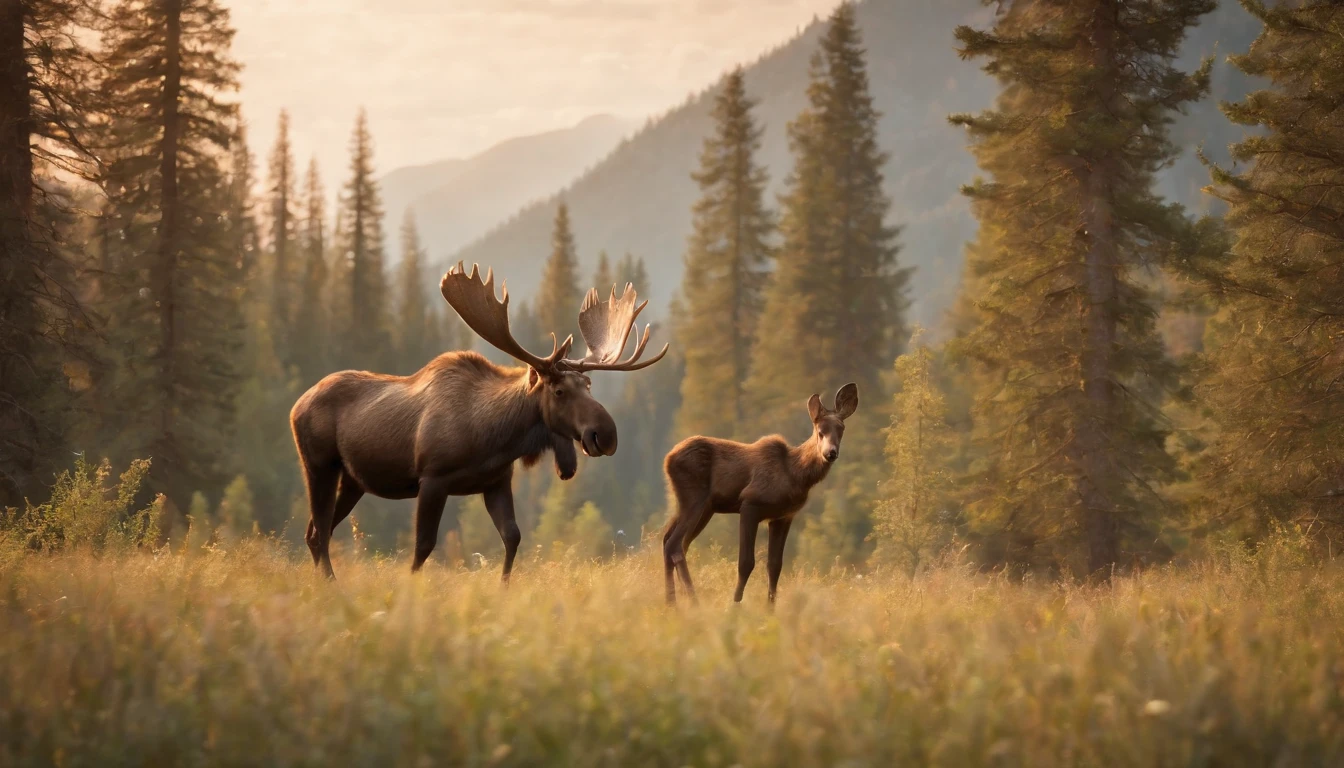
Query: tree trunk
18	273
1101	264
169	247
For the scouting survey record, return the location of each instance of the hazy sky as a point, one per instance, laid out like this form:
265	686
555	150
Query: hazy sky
446	78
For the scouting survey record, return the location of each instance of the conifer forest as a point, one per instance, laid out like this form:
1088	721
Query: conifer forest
1083	259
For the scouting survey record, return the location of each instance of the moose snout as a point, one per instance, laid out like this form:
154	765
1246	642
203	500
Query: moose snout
831	454
600	439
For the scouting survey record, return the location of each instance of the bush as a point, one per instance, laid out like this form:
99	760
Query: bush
85	511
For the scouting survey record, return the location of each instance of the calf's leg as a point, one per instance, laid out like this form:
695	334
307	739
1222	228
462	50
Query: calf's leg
746	549
779	534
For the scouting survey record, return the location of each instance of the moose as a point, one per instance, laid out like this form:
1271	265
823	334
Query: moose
456	427
764	481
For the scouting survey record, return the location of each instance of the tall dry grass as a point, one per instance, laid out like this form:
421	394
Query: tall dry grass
245	657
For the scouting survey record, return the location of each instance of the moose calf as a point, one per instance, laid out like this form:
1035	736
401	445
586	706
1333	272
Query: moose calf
761	481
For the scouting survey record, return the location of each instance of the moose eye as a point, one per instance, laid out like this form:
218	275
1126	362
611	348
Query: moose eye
559	393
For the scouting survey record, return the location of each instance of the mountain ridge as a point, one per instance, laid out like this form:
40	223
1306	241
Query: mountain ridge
638	198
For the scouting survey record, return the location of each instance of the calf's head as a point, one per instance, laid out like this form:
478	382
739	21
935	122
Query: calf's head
828	425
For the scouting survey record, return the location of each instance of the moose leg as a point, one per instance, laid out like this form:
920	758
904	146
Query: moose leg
499	503
779	533
746	550
347	496
428	512
321	482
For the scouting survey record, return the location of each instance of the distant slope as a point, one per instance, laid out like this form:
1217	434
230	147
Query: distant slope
456	201
639	198
402	186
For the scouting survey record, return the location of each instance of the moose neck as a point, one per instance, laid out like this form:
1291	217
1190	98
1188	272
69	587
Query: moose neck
806	463
525	432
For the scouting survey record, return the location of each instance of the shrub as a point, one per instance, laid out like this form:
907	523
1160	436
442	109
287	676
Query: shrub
85	511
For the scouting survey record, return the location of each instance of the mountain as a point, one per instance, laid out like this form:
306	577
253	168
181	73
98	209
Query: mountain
457	200
639	198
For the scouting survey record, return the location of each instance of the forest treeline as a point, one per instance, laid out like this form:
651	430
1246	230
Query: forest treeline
162	297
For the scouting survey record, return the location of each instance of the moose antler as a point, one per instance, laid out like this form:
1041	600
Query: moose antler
475	302
606	329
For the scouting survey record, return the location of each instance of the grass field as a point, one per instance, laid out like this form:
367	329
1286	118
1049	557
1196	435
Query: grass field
245	657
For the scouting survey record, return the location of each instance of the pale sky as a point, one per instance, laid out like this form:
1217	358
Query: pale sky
447	78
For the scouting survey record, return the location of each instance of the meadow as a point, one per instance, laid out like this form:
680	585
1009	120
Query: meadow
242	655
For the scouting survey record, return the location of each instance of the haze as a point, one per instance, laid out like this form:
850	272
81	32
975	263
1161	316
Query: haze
449	79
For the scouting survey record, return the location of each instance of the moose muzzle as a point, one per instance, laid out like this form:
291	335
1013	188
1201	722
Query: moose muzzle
599	439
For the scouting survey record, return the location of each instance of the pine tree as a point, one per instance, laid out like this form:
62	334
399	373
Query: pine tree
261	449
284	273
835	306
244	241
176	322
589	534
237	509
363	302
603	277
1069	366
417	331
911	522
557	515
1272	374
834	310
558	299
725	270
312	332
631	270
44	63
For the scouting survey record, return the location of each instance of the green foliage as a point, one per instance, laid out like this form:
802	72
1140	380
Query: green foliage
912	522
603	278
237	511
558	300
312	333
725	271
174	287
418	327
47	66
201	529
283	274
1069	370
1268	389
362	309
631	270
629	487
557	514
84	511
834	309
589	535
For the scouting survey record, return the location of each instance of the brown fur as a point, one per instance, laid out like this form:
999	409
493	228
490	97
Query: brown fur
764	481
455	428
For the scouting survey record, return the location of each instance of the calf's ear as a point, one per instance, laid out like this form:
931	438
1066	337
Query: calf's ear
814	408
847	401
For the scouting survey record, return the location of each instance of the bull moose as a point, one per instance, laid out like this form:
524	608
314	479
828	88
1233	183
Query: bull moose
456	427
764	481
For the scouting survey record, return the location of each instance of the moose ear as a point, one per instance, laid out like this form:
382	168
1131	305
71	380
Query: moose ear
533	380
814	408
847	401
